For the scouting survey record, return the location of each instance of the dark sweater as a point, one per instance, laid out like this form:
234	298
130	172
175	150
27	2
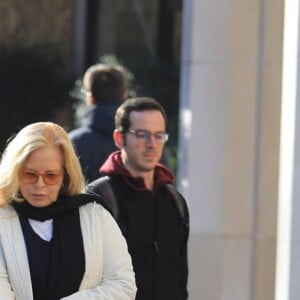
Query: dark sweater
38	256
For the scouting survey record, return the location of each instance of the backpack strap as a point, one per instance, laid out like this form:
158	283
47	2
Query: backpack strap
103	186
180	203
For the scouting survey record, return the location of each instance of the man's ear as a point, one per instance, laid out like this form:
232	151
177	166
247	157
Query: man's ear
118	138
89	99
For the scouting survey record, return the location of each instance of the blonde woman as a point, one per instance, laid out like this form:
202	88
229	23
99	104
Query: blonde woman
56	242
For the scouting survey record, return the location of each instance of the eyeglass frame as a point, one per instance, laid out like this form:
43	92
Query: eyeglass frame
38	175
148	134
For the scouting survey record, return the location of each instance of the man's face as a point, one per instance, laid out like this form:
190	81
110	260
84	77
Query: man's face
142	145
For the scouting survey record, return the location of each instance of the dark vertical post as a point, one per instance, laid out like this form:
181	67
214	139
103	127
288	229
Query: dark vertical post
93	14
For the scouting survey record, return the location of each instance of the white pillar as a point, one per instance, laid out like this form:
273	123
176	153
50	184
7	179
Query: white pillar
229	145
288	243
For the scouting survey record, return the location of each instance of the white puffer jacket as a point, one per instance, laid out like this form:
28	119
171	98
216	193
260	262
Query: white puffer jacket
109	274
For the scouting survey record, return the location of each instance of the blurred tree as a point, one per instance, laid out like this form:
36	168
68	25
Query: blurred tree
33	87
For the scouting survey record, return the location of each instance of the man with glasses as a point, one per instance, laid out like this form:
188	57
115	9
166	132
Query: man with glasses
146	208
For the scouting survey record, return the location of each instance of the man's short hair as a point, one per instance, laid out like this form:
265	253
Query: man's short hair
122	116
106	83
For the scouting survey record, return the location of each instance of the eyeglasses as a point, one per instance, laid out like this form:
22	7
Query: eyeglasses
49	178
145	135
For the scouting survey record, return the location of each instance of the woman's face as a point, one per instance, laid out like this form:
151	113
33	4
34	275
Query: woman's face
41	177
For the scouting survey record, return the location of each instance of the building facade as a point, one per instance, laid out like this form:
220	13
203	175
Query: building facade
239	136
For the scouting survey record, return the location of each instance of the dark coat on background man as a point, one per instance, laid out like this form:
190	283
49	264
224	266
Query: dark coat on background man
93	140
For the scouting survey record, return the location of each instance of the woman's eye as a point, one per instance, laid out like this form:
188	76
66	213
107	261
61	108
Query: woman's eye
31	174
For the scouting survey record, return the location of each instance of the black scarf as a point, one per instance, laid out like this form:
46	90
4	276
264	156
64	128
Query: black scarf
67	258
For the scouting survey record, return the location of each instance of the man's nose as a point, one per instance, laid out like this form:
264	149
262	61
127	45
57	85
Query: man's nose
151	140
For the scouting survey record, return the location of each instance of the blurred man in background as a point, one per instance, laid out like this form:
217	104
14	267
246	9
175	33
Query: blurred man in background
106	87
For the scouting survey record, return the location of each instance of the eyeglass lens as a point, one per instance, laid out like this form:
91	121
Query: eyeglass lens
146	135
48	178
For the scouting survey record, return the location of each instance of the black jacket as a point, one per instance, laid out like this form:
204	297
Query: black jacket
155	232
93	140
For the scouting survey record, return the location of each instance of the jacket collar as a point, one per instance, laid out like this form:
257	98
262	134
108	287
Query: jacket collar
114	166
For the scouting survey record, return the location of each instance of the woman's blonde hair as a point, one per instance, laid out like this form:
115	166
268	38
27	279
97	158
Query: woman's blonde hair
29	139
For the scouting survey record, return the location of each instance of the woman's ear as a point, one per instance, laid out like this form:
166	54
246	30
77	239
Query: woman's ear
118	138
